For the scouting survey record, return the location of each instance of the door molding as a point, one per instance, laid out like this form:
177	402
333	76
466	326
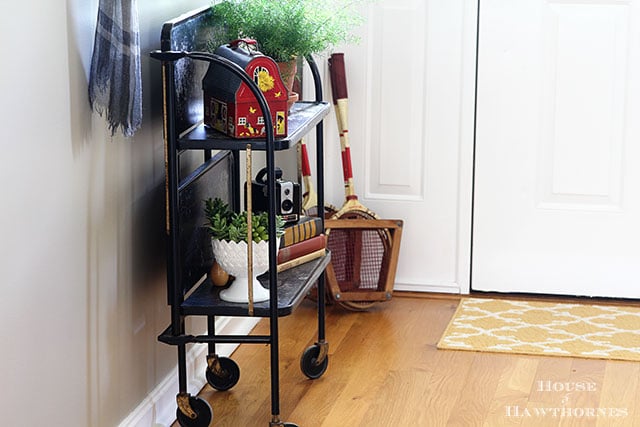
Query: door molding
467	143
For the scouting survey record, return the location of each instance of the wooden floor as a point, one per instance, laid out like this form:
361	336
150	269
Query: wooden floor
384	370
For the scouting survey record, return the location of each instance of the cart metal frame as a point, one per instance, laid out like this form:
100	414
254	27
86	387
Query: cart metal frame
188	293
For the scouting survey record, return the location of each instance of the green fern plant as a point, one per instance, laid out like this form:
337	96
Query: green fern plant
225	224
286	29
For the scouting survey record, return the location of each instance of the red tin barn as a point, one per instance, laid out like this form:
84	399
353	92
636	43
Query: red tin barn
229	104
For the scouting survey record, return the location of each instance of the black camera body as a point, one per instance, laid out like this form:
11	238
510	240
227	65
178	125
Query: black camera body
288	197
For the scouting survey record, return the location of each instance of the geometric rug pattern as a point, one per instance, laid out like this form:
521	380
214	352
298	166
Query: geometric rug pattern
544	328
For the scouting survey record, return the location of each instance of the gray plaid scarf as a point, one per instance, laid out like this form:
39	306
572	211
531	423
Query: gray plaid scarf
115	82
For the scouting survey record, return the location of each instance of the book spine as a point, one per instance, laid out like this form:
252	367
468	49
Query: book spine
301	231
302	248
301	260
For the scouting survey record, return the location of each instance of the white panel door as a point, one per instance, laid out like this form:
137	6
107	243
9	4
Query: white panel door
410	128
557	177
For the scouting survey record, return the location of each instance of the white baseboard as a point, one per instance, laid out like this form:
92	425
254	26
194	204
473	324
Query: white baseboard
158	409
446	288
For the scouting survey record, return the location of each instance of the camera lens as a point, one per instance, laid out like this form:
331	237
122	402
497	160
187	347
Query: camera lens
287	206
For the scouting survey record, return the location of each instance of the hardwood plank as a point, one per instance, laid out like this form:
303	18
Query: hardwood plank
399	401
512	391
446	383
619	395
543	401
360	356
384	369
581	396
471	405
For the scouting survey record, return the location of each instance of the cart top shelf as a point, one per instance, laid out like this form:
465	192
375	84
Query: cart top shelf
293	285
303	117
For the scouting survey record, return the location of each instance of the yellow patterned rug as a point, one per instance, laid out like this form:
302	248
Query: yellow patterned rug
544	328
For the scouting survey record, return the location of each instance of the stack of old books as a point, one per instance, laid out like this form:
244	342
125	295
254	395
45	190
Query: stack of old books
302	242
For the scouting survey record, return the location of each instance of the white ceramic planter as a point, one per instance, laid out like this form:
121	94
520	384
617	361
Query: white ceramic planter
232	257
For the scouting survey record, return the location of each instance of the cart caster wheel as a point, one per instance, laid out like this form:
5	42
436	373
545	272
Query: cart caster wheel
203	412
309	362
282	424
227	377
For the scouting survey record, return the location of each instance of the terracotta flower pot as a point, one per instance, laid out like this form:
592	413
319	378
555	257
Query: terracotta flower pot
288	72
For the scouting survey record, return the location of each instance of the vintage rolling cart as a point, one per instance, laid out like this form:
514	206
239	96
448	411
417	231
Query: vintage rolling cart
189	180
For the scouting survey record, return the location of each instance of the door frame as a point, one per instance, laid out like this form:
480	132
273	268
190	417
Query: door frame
466	165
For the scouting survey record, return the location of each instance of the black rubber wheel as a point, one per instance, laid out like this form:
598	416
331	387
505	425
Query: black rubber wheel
309	365
229	378
203	411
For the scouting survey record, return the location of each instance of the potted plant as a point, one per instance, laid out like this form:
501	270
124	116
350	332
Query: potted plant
228	230
287	29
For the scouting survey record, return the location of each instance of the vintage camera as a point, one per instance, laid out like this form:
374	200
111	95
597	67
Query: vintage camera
288	197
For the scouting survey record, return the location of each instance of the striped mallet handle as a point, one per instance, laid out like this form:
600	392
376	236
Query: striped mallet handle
341	107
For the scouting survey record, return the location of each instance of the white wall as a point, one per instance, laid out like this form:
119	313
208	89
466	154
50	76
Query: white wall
82	226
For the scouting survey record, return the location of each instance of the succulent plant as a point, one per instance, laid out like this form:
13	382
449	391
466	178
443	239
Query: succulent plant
225	224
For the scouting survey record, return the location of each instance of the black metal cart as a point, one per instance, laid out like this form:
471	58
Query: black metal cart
216	174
